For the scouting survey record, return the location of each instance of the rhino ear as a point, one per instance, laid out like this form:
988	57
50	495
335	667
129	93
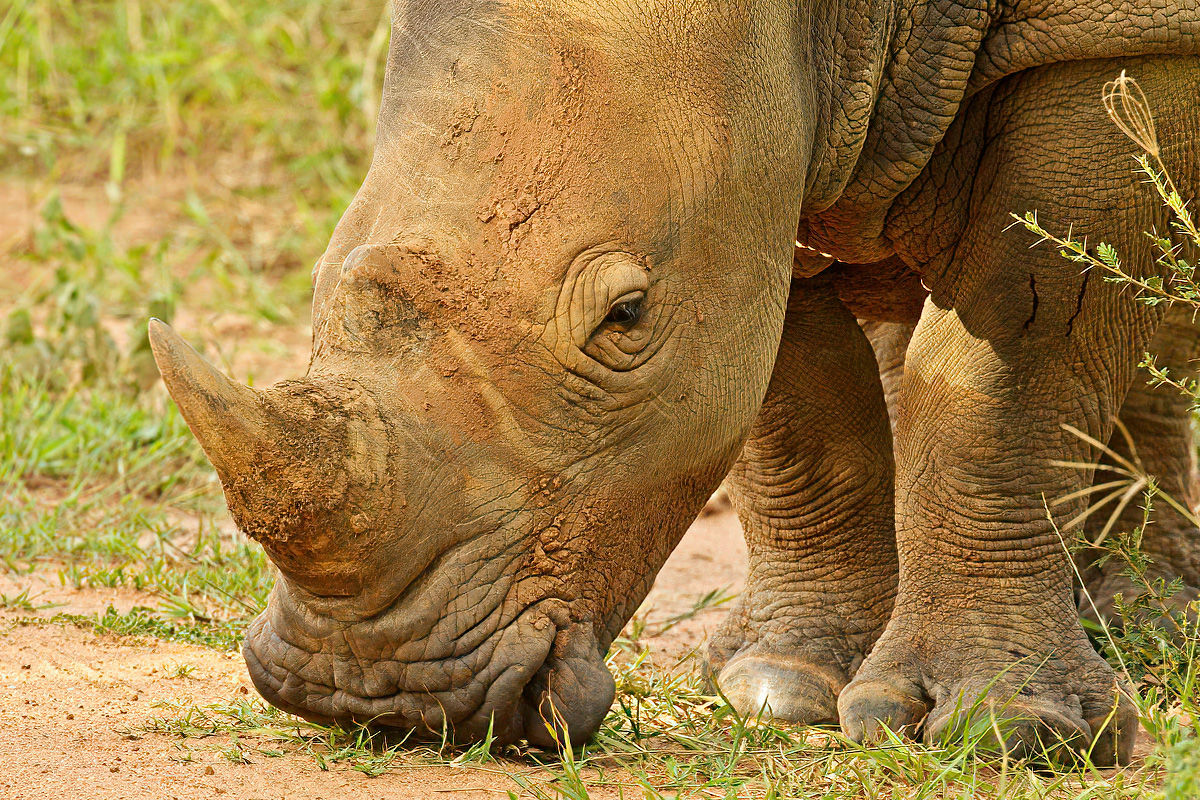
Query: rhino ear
227	418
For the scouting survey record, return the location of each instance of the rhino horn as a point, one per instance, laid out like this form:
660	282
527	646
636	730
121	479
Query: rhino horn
279	494
226	417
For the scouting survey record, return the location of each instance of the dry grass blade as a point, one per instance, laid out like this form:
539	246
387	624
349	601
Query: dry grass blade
1135	467
1129	110
1133	482
1088	490
296	83
1136	480
1135	489
1128	491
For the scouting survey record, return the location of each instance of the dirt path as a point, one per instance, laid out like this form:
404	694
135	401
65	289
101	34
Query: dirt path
73	705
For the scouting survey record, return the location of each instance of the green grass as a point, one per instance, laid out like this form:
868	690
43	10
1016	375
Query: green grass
117	460
220	142
230	135
141	623
223	140
98	479
668	737
136	88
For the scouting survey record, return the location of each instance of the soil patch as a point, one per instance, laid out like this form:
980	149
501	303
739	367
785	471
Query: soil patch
74	704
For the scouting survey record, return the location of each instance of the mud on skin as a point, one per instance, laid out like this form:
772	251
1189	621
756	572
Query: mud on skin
546	326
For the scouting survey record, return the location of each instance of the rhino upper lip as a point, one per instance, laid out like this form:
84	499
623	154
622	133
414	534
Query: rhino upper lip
273	686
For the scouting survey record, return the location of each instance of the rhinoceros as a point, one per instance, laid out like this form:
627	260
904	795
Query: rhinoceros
586	274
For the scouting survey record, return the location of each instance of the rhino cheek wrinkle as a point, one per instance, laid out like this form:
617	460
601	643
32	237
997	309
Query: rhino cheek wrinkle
591	270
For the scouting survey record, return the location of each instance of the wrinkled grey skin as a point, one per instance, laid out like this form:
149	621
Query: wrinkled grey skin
1155	433
566	299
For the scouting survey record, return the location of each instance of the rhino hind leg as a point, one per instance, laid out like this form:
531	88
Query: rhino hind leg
813	489
1157	423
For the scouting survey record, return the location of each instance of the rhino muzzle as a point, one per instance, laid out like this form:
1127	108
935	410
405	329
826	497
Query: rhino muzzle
378	619
518	673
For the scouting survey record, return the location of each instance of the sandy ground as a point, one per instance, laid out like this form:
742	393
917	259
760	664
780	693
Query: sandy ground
72	703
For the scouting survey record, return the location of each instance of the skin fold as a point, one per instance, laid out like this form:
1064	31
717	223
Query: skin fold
985	585
591	266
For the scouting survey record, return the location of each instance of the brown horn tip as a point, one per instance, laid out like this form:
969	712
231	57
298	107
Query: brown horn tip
225	416
284	484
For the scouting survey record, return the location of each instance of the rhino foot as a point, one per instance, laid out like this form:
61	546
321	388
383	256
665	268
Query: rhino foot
786	687
1057	704
814	490
782	670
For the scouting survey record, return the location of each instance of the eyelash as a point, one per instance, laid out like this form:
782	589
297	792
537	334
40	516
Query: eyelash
625	313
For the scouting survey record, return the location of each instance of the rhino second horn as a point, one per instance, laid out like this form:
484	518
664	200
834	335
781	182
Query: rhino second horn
227	418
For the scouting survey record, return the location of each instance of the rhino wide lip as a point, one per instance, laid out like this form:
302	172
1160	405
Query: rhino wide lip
471	691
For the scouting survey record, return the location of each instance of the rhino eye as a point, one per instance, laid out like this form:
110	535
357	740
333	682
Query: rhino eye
626	311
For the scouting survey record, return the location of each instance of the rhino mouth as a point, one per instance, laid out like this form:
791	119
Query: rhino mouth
518	673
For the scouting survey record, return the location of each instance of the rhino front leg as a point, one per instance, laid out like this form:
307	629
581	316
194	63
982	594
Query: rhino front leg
1158	422
814	491
1013	343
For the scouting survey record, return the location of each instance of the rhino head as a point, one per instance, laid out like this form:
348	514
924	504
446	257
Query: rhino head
541	333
